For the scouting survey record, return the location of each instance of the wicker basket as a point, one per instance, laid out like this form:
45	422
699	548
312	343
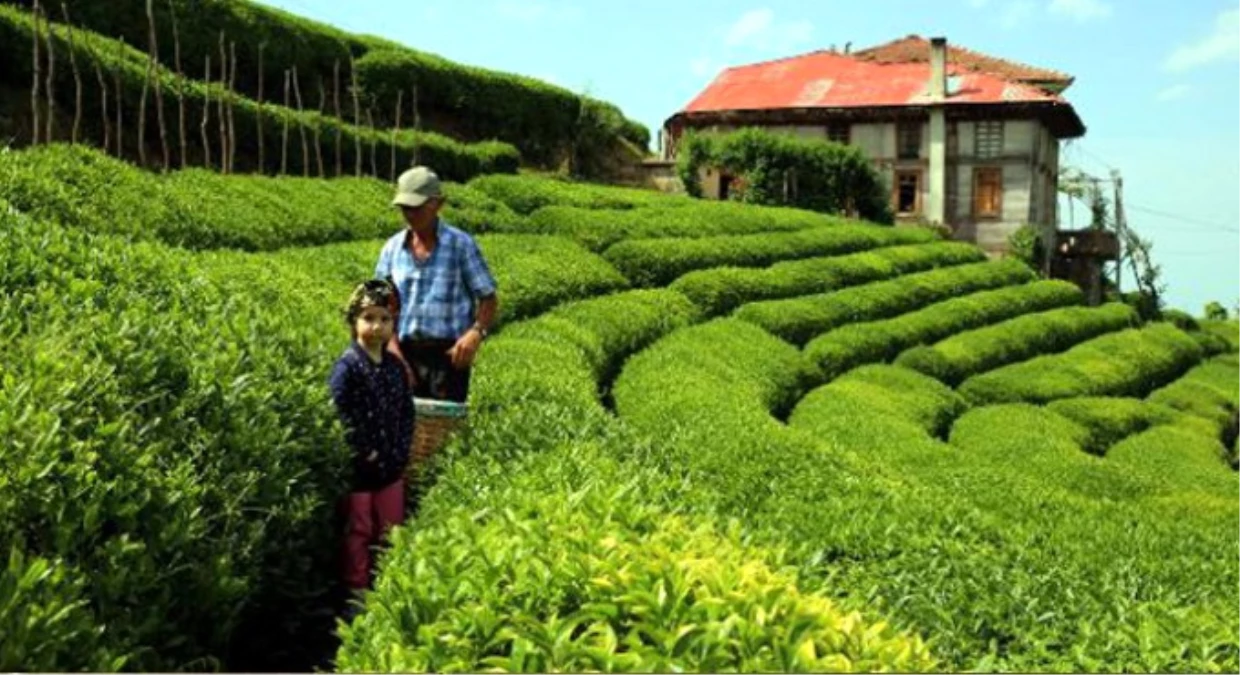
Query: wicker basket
434	423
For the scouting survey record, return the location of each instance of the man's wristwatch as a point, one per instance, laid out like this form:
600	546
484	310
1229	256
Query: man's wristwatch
482	332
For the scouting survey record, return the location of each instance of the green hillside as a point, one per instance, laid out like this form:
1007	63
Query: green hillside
545	122
706	437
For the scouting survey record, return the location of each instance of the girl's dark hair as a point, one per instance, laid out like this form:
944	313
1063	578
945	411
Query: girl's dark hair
369	293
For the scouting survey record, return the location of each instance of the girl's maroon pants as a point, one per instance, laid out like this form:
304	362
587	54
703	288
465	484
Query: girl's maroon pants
370	516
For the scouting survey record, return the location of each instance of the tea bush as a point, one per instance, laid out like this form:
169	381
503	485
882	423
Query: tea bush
200	209
452	159
848	346
597	229
720	290
657	262
1132	362
969	352
151	462
884	391
526	193
800	319
1110	420
609	328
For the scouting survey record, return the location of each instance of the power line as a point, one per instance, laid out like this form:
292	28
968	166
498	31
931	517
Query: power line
1205	225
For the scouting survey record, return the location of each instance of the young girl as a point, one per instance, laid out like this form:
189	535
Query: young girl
373	399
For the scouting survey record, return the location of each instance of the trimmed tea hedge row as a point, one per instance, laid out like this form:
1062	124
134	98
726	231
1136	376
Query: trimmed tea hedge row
657	262
609	328
545	121
849	346
596	581
199	209
150	467
526	193
1184	465
1211	391
1228	330
452	159
885	391
533	273
1110	420
598	229
955	358
722	289
1129	363
568	551
536	273
798	320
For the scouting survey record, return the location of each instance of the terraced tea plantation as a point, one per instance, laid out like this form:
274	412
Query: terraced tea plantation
706	437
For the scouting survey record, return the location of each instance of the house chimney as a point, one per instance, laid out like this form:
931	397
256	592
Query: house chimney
938	69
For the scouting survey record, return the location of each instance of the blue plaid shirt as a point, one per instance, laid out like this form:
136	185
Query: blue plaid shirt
437	295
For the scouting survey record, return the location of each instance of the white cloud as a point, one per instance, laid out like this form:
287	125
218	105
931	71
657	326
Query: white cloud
1223	43
1173	92
1080	10
759	29
701	66
534	11
1016	13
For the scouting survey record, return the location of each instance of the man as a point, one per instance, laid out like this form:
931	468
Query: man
447	294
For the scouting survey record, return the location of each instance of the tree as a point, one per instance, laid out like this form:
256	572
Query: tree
1215	311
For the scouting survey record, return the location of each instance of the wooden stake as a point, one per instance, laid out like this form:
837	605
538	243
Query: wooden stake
301	126
417	127
339	119
206	116
318	122
120	118
103	90
219	108
262	163
49	134
396	133
34	85
374	140
77	77
232	98
157	83
176	58
284	138
357	118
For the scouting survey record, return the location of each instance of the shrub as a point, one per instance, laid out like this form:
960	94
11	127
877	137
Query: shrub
967	353
883	391
527	193
609	328
722	289
536	273
1211	391
659	262
1111	420
852	345
1129	363
775	168
151	469
600	582
800	319
597	229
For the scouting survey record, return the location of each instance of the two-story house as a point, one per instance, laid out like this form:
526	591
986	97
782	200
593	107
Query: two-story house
963	139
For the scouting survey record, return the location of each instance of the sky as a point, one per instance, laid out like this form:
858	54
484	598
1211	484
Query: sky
1157	82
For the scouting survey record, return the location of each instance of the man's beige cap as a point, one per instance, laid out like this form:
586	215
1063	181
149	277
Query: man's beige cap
415	186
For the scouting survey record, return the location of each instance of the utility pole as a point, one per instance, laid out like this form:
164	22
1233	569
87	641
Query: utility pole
1120	225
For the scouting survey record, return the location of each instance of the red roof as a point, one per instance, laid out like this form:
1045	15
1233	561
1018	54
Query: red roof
825	79
916	49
